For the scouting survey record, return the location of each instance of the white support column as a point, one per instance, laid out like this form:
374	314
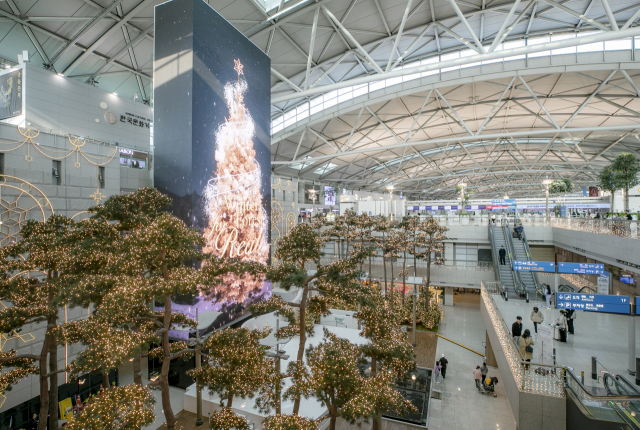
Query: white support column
448	296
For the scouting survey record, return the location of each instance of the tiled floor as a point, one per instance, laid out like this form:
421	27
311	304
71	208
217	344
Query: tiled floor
462	407
604	336
177	394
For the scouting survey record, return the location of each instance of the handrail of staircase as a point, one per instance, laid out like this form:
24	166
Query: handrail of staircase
519	285
496	270
536	281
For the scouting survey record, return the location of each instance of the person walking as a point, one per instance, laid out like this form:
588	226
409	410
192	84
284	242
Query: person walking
526	346
33	422
537	318
629	217
484	369
443	366
436	370
548	295
516	330
502	253
570	315
477	376
561	322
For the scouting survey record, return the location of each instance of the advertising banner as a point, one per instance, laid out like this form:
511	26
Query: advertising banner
212	146
11	94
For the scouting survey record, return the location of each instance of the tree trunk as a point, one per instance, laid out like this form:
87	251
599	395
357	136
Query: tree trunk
377	421
611	208
166	362
44	384
384	266
53	379
626	199
303	338
230	400
393	289
105	380
404	276
332	422
426	290
137	372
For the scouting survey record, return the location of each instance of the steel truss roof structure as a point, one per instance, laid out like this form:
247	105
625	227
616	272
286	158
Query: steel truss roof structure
497	128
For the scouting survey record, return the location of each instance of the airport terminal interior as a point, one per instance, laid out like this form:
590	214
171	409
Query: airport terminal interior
319	214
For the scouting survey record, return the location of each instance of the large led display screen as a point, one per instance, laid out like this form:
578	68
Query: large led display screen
212	145
11	94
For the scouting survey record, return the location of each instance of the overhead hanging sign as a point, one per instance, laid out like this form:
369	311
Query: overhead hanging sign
594	303
534	266
581	268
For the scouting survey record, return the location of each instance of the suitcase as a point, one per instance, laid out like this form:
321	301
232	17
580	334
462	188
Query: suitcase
563	335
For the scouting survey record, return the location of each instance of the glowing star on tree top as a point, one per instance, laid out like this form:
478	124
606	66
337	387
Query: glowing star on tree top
238	67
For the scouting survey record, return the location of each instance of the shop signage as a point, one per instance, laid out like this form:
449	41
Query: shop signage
534	266
594	303
581	268
136	120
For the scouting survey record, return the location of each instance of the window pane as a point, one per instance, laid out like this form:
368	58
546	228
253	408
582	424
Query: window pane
617	45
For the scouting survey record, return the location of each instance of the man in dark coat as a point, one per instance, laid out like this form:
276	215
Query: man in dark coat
502	253
516	330
443	363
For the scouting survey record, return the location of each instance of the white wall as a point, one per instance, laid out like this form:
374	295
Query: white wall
59	105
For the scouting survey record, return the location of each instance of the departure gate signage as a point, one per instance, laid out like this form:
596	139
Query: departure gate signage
594	303
581	268
534	266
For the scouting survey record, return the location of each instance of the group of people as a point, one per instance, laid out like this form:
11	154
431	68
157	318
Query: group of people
479	375
523	339
441	368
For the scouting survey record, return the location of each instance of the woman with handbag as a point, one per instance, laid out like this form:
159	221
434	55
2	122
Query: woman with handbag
526	346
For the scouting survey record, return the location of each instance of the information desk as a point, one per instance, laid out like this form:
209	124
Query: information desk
595	303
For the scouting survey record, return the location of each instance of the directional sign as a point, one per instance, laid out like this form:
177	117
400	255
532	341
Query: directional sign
581	268
594	303
503	202
534	266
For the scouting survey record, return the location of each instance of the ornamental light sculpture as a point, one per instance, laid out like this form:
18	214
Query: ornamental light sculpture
390	188
313	196
462	186
546	184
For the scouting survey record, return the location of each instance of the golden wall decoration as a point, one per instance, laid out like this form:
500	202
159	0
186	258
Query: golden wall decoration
283	220
291	187
55	153
20	201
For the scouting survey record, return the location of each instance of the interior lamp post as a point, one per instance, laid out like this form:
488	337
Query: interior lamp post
546	183
313	195
390	188
462	186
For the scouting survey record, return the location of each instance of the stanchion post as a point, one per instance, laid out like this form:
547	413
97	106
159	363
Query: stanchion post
199	419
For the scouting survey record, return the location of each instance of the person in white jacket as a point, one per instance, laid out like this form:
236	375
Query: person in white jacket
537	317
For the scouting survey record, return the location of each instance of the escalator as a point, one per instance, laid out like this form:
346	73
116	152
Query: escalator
521	252
504	273
613	412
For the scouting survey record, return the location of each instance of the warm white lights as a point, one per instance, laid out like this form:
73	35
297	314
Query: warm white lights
61	74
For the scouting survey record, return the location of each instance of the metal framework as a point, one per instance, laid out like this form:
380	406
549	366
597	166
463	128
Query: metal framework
509	129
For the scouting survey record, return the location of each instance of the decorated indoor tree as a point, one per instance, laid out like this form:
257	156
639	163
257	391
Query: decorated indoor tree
32	278
288	422
128	407
383	227
626	167
411	225
607	178
236	365
431	243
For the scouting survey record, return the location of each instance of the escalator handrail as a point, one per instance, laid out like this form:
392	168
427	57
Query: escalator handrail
615	379
569	373
536	281
520	287
496	270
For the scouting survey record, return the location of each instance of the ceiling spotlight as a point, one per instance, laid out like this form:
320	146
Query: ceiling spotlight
7	66
61	74
114	93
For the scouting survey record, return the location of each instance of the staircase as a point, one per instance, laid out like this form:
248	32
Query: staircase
506	275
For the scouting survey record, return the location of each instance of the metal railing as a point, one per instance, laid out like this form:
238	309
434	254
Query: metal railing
520	287
495	258
480	266
531	377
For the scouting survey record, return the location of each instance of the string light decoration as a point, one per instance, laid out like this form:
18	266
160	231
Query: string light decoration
289	187
20	201
238	223
528	380
128	407
333	376
225	419
289	422
56	154
237	365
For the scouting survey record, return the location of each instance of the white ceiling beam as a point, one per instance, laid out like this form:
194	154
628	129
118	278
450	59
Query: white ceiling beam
633	84
464	125
591	96
467	26
631	20
285	80
289	14
530	49
314	28
544	109
133	42
106	35
355	125
572	12
459	38
399	34
608	147
295	154
500	37
610	17
495	106
344	31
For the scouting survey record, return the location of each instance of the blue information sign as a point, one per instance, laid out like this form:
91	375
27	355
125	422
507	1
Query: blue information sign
581	268
594	303
503	202
637	305
534	266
